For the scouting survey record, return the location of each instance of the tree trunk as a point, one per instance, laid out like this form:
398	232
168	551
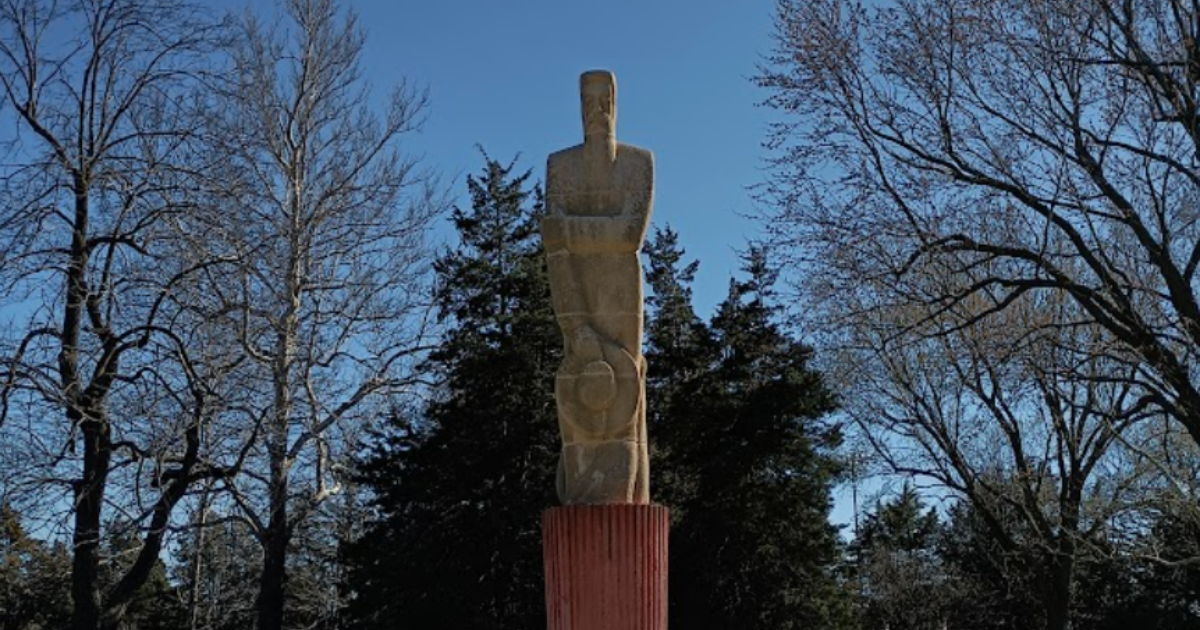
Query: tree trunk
275	542
197	569
1058	595
89	501
89	488
275	539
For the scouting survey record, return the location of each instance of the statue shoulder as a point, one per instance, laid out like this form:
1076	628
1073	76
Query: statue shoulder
567	155
636	163
635	154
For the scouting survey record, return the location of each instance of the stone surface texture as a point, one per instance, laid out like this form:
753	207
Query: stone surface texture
606	567
598	197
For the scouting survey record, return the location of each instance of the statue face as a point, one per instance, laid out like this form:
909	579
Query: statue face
599	109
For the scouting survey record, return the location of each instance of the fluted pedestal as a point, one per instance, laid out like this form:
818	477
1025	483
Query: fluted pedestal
606	567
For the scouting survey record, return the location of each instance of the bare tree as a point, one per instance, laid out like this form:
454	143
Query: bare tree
1002	413
916	128
99	161
326	217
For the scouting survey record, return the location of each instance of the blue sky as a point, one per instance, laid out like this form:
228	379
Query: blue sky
504	75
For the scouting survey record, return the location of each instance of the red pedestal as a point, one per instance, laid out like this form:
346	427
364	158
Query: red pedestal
606	567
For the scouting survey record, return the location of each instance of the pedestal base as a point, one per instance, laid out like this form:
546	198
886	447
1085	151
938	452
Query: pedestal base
606	567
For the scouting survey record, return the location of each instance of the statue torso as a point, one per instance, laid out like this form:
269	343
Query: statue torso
579	186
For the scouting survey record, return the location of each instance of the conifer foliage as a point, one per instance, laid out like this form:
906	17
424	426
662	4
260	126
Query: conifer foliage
34	578
461	485
739	419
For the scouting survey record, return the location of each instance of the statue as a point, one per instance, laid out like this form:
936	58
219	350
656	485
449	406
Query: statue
598	198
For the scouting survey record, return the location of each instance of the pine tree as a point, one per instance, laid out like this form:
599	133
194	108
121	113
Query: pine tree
34	578
1004	584
679	348
676	338
749	457
903	524
1153	586
902	581
742	449
461	484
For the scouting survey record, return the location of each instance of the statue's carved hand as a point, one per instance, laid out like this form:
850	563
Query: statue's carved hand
592	235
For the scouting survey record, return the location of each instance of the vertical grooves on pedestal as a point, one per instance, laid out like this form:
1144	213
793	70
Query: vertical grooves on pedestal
606	567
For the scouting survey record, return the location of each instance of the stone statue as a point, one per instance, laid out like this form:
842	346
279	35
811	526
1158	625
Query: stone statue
598	199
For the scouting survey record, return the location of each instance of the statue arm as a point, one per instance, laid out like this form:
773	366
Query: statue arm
594	235
640	200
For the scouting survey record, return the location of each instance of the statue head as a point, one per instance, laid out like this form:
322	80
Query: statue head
598	92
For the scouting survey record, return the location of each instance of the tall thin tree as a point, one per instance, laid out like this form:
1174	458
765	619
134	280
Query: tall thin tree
326	217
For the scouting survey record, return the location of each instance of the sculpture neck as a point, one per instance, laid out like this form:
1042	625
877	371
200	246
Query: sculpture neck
600	148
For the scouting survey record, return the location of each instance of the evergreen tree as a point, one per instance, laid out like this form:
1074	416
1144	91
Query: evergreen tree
902	582
460	488
1150	583
679	349
917	573
902	524
749	457
677	340
34	579
1002	583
